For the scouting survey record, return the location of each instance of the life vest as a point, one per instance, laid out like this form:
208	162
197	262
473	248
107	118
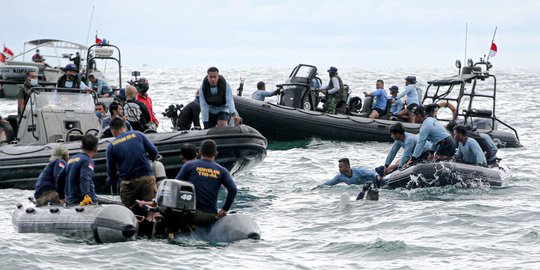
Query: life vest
62	82
341	92
211	99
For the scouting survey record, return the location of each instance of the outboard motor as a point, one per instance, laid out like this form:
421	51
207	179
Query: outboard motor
176	203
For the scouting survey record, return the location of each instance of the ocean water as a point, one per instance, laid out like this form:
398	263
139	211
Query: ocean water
433	228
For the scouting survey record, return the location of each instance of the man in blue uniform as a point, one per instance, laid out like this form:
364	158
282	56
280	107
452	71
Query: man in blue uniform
469	150
396	103
404	140
130	152
261	92
80	172
207	176
52	180
217	101
413	99
381	100
443	145
353	176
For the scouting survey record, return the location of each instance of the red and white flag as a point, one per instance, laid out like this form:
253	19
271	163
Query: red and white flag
8	53
2	59
493	49
91	166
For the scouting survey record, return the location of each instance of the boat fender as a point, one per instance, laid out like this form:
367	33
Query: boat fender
446	104
19	205
30	210
79	209
54	210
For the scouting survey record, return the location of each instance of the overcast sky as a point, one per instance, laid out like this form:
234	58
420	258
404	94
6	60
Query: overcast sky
265	33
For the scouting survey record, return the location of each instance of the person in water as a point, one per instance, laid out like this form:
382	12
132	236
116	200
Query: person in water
443	145
408	142
207	176
469	151
261	92
52	180
381	100
217	101
190	115
334	91
353	176
131	152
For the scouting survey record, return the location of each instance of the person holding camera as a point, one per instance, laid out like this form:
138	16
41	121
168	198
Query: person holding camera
217	101
142	86
136	112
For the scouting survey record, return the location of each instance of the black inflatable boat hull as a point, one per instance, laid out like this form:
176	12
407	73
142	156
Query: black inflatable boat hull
281	123
443	173
239	147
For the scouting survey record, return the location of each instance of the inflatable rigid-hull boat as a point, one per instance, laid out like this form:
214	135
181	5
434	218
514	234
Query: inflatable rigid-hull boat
443	173
283	123
240	148
99	223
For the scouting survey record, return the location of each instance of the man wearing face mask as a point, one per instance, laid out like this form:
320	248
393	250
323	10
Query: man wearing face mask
24	90
71	79
142	87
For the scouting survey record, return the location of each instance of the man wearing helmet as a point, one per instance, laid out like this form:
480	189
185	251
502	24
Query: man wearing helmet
334	91
142	87
413	99
71	79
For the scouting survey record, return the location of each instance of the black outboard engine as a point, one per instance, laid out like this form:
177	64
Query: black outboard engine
176	202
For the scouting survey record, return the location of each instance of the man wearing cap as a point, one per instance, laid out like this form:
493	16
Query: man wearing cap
443	145
334	91
413	98
51	181
353	176
100	86
381	100
190	115
217	101
261	92
71	79
396	104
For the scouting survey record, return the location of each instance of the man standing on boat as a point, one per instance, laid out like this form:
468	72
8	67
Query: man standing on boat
334	91
217	101
469	150
381	100
130	152
142	86
76	60
23	93
136	112
71	79
353	176
37	58
413	99
261	92
207	176
443	145
404	140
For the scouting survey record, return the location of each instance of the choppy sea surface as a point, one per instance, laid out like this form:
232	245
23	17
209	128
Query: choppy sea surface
432	228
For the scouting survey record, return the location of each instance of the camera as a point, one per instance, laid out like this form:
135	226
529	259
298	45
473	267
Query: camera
135	73
173	110
135	82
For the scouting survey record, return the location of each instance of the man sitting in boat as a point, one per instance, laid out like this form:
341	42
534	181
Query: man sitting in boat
217	101
261	92
37	58
100	86
469	151
334	91
443	145
381	100
413	99
52	180
6	132
136	112
207	176
190	115
404	140
130	153
71	79
396	105
353	176
116	111
23	93
80	173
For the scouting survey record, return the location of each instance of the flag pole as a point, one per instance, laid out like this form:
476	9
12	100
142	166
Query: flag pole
492	40
90	25
466	34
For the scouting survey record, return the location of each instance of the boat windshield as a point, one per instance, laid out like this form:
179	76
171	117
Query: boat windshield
304	72
59	101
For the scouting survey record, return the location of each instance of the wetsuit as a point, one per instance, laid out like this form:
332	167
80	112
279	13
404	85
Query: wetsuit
359	176
79	179
190	114
51	182
207	177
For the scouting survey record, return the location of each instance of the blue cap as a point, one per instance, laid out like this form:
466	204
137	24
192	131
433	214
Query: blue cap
71	67
394	89
332	70
411	79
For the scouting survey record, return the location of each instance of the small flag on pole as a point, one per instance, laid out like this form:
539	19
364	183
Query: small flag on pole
8	53
493	49
98	40
2	59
